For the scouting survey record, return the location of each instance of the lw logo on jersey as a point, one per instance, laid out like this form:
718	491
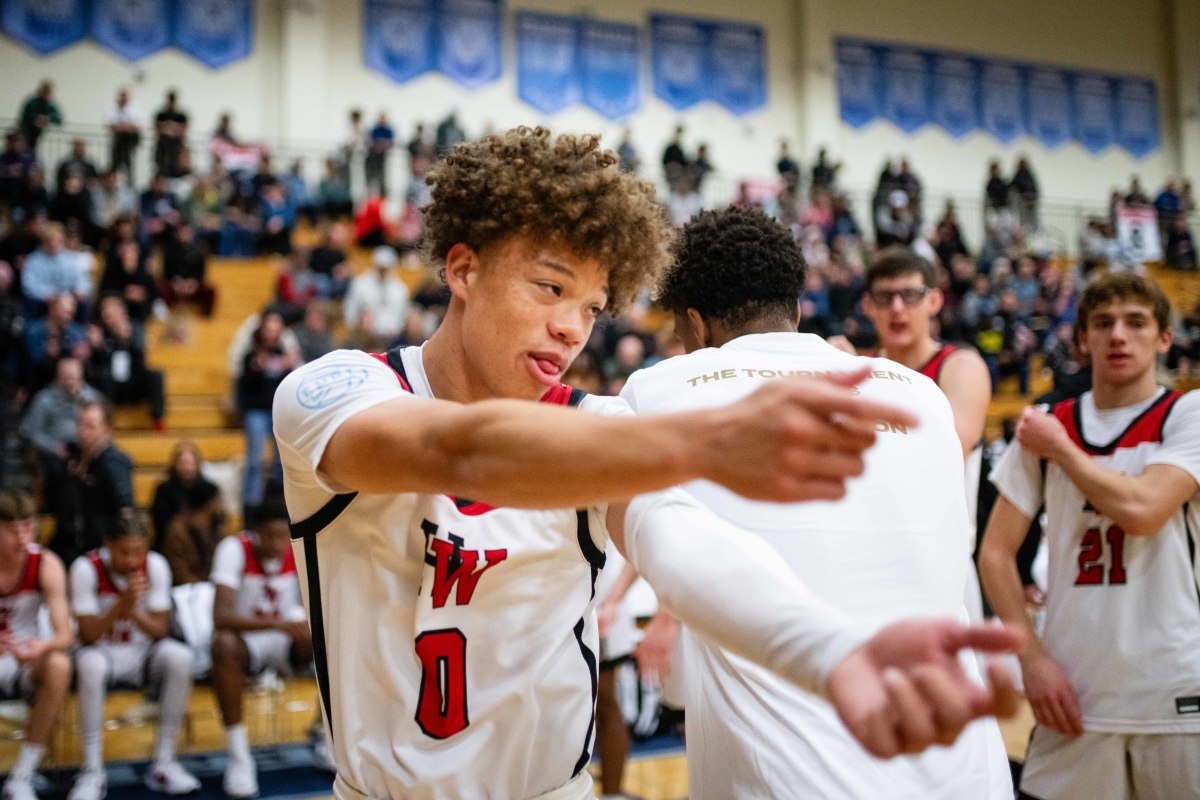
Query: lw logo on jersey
455	568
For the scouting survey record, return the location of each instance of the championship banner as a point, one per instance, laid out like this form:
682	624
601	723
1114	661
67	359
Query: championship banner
1137	116
133	29
679	60
955	94
1002	98
1049	106
738	64
398	37
547	57
905	89
857	83
1137	232
45	25
468	41
610	58
215	32
1093	112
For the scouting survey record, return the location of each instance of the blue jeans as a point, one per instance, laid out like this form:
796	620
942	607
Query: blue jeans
259	430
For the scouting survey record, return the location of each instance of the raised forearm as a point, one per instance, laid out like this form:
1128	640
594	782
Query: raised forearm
1124	499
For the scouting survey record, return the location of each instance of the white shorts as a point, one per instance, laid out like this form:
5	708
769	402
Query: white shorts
578	788
16	679
269	650
1113	766
136	666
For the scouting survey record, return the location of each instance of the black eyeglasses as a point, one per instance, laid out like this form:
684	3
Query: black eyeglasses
882	298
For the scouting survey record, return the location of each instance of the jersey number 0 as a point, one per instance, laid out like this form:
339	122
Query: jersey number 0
442	708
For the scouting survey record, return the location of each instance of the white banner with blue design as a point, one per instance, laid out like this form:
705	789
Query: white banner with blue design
1049	105
1095	127
45	25
215	32
610	59
1002	98
955	92
468	41
133	29
905	88
1137	116
548	75
679	60
858	82
738	65
398	37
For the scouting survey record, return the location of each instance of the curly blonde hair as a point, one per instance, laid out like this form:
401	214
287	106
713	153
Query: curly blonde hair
561	189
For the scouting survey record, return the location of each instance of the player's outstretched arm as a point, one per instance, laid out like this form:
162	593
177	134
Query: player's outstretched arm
1140	504
893	696
53	579
794	439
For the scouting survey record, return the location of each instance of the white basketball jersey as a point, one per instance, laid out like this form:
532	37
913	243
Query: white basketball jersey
460	638
19	607
95	587
894	547
1122	612
266	591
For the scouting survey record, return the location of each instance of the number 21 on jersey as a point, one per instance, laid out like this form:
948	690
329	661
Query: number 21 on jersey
1093	557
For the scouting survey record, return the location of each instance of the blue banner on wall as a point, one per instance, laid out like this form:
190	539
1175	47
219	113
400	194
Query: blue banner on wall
679	59
955	94
548	77
469	41
906	88
133	29
610	61
858	83
1002	99
1049	105
45	27
398	37
1137	116
738	65
215	32
1093	111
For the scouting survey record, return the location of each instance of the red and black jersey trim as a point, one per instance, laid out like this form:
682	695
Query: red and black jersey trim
596	559
29	578
1146	428
932	368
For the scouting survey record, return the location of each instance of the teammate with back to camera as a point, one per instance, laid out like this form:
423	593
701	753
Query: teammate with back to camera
32	667
450	530
1114	680
893	547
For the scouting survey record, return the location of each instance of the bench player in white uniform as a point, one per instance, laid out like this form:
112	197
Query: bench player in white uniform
454	626
894	547
1115	680
121	598
258	623
31	667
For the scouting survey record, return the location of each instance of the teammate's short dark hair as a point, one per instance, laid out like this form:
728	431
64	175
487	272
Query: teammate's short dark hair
106	410
562	190
127	523
1123	286
16	505
271	509
734	266
897	261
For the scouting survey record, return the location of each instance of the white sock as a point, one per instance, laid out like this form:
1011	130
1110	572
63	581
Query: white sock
27	761
176	663
92	672
239	745
612	797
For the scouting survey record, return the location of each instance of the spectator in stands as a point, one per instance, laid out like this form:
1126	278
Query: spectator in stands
15	163
34	198
448	134
264	177
1168	205
333	192
1187	201
171	129
788	169
263	369
52	337
627	153
845	226
118	363
278	220
126	275
205	212
51	270
159	210
313	332
1136	196
188	516
1027	286
33	660
184	266
1025	186
299	196
684	201
259	623
1061	356
328	260
364	337
125	131
888	183
700	167
102	475
296	287
38	113
1184	355
381	292
422	152
674	160
72	208
1006	342
121	596
1180	252
895	222
22	239
111	199
824	174
76	164
380	141
995	193
371	228
910	184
